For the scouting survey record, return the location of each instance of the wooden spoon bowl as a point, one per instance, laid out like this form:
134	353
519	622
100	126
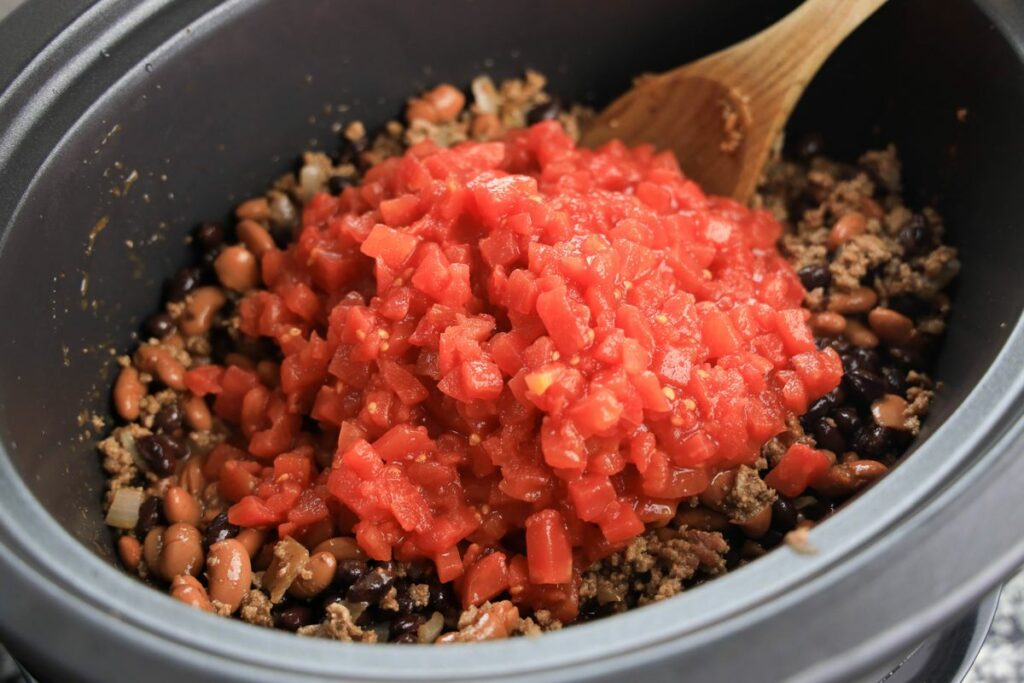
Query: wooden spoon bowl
722	114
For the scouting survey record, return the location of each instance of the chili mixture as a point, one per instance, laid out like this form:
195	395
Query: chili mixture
469	380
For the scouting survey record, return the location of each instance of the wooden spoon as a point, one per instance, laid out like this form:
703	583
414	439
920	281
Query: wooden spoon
722	114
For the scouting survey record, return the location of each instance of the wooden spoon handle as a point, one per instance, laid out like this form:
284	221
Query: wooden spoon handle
804	39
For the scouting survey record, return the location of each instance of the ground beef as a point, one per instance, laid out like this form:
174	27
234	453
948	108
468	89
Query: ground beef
120	457
339	625
256	608
489	621
655	566
748	496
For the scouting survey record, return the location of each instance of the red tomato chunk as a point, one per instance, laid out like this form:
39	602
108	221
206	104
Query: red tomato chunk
515	345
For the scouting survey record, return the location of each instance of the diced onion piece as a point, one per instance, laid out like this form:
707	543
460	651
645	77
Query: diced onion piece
311	179
485	95
431	628
124	509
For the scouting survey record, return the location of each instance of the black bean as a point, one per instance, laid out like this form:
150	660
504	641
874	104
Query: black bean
783	514
159	452
821	407
169	419
209	237
895	380
372	616
407	624
810	145
909	305
406	605
352	149
847	419
158	325
183	282
282	235
771	539
337	184
295	617
819	509
150	515
221	343
860	358
418	571
872	441
827	435
735	538
442	598
840	345
915	237
865	384
813	277
219	529
331	597
545	111
350	571
911	358
371	587
406	638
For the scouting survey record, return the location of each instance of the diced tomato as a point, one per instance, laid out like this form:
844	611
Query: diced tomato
619	522
449	565
799	466
590	496
391	246
206	379
237	480
650	338
251	512
484	579
548	550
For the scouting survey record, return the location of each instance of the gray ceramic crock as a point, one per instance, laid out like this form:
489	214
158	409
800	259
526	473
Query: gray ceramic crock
209	101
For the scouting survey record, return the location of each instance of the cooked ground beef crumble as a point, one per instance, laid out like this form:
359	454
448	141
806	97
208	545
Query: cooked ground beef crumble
875	273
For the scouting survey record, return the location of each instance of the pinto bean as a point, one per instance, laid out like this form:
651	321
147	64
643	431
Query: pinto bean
891	327
181	506
255	237
182	551
891	411
827	324
229	572
341	547
255	209
130	551
197	413
188	589
237	268
846	228
152	546
315	577
252	539
859	335
860	300
447	101
201	307
192	478
128	391
845	479
159	362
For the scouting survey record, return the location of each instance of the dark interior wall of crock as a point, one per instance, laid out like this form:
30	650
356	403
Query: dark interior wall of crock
226	108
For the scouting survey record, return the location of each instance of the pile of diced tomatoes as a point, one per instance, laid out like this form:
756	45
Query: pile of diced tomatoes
509	358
